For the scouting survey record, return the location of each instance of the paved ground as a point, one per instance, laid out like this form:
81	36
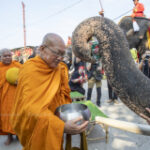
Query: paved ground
118	140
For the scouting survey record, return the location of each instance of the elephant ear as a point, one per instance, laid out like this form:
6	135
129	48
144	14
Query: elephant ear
126	24
127	81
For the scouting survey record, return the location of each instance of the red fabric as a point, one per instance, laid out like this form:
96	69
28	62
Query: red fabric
138	10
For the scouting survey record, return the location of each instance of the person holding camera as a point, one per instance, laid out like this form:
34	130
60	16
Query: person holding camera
144	65
94	78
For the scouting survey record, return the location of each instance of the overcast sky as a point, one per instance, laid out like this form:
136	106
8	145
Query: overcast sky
57	16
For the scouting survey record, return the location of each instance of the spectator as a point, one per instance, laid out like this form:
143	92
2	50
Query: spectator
139	27
94	72
94	78
34	53
138	10
144	65
78	77
112	96
68	57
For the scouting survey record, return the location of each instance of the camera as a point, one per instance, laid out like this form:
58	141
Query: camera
147	56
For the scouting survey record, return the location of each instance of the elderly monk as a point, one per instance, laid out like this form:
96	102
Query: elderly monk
42	87
7	92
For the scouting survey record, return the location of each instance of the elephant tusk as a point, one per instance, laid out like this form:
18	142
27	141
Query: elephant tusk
123	125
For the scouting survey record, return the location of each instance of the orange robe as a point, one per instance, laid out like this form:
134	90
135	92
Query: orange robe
7	92
40	91
138	10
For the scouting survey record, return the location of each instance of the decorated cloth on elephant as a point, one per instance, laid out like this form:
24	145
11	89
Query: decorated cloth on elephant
138	10
134	55
7	93
40	91
148	37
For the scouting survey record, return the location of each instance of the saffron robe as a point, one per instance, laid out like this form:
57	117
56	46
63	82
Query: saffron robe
40	91
7	92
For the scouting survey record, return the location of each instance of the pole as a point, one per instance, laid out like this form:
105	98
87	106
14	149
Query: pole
101	4
102	10
24	26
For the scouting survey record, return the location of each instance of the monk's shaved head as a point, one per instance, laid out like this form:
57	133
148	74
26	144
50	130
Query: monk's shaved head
52	39
6	56
2	51
52	49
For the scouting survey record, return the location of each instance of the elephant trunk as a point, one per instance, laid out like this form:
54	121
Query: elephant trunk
128	82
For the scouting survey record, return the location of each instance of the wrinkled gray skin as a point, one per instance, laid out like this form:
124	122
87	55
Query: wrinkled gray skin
130	84
126	24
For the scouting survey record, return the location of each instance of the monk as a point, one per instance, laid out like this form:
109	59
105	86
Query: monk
7	92
42	87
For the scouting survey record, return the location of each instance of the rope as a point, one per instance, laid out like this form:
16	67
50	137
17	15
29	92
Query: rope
122	14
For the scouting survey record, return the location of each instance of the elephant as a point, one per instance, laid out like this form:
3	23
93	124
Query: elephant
134	40
128	82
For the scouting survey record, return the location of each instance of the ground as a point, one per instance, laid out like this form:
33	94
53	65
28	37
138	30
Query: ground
118	139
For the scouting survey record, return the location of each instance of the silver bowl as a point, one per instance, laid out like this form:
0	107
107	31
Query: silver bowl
72	111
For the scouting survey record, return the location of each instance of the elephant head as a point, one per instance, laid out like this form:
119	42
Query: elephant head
130	84
126	24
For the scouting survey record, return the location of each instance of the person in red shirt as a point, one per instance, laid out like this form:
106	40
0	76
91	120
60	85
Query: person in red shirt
138	10
139	25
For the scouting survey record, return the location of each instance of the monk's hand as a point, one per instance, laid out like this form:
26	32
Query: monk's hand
72	126
145	117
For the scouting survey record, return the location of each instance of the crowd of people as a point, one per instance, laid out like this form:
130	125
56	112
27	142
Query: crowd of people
27	106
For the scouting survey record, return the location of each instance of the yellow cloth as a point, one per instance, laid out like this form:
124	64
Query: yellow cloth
134	54
148	37
7	92
12	75
40	91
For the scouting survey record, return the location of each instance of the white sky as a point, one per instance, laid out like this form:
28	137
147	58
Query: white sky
44	16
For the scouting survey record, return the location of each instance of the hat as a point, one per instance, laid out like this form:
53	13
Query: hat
12	75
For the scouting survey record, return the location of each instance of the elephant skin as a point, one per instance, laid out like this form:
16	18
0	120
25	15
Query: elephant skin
128	82
126	24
